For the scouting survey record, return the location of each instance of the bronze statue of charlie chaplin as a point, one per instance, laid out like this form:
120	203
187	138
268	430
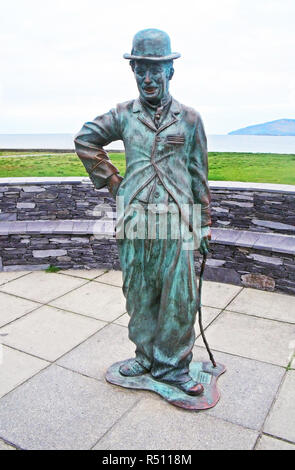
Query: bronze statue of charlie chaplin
166	171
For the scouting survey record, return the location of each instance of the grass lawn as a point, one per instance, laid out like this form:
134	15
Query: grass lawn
257	168
223	166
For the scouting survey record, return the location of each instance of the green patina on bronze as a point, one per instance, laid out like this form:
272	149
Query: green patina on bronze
201	372
166	164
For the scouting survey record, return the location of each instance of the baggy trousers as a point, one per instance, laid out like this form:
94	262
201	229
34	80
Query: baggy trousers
159	284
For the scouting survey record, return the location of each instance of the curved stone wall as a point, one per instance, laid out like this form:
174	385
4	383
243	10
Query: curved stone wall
54	221
260	207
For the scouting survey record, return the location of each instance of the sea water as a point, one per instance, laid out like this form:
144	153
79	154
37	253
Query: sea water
216	143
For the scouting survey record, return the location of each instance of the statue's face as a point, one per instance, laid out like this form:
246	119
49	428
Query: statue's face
153	79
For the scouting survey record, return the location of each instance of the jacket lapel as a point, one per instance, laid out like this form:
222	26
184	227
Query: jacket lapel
145	118
171	117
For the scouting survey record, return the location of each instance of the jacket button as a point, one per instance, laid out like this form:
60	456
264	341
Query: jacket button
158	139
157	194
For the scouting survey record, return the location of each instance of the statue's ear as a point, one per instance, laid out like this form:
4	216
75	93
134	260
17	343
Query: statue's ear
132	64
171	73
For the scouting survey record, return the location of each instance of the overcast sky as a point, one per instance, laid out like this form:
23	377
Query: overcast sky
61	60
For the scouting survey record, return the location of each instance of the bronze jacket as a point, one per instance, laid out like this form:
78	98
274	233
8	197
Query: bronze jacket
174	155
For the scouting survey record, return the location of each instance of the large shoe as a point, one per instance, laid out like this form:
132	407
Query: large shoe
191	388
132	368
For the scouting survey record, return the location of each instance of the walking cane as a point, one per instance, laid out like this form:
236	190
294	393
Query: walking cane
200	310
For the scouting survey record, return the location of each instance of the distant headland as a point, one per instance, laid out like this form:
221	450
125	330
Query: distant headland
280	127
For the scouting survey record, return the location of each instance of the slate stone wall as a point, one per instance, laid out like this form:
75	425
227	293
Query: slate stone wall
269	212
244	266
254	210
50	222
37	251
249	267
51	201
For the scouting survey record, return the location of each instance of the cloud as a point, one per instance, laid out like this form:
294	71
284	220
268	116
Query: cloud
62	60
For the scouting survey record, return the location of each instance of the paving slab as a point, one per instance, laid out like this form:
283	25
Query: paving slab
248	389
44	414
49	332
218	295
96	300
60	409
16	367
281	420
255	338
112	277
209	314
41	286
10	276
265	304
123	320
94	356
154	424
4	446
83	273
14	307
270	443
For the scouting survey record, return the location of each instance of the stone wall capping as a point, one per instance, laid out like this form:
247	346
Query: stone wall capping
62	227
245	186
80	228
276	243
49	226
215	233
260	241
17	228
104	229
4	228
231	185
226	236
36	227
247	238
42	180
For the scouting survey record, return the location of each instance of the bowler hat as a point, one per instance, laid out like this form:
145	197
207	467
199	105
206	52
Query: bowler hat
151	44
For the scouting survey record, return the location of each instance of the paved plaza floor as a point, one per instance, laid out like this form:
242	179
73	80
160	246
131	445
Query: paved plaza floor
59	332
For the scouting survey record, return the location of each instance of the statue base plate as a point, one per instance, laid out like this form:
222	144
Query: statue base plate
202	372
